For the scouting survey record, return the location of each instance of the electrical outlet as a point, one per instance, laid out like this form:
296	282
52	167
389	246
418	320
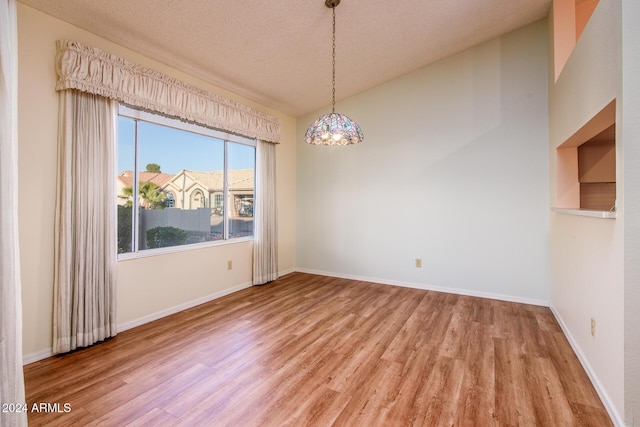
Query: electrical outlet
229	265
593	327
419	262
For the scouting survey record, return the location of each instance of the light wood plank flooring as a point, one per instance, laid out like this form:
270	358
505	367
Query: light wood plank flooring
310	350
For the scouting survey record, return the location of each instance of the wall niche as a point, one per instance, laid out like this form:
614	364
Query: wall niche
586	165
597	171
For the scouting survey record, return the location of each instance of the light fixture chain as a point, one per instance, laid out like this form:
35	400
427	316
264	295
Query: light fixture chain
334	128
333	80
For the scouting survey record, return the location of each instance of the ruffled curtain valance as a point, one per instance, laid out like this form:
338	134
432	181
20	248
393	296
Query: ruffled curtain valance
94	71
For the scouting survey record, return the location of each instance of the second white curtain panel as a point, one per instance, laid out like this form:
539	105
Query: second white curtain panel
85	222
265	233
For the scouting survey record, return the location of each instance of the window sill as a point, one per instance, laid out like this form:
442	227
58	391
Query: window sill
184	248
586	212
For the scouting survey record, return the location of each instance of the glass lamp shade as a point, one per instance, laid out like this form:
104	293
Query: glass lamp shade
334	129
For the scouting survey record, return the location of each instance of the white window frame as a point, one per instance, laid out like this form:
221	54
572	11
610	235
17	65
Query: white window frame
226	137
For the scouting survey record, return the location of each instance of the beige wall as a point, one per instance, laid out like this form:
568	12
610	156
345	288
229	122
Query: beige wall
146	287
453	170
587	258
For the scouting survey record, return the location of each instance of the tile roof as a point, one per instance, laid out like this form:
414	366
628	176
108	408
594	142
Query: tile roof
160	179
239	179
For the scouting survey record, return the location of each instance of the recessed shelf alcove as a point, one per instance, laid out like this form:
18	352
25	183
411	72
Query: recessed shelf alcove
586	166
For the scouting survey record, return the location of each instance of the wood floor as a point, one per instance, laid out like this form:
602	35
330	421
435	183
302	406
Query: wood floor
310	350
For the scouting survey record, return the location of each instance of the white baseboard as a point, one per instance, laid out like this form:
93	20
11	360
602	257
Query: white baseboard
190	304
181	307
467	292
43	354
39	355
604	396
606	400
285	272
613	413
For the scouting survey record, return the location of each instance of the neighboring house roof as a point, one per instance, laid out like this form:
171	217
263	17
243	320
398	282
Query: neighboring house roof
160	179
239	179
212	181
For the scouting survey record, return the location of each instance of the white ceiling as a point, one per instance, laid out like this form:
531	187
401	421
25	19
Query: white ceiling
278	52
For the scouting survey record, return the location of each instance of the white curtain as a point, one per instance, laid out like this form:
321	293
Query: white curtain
11	375
85	222
95	71
265	232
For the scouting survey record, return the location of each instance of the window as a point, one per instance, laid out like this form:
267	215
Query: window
171	200
218	200
176	170
197	199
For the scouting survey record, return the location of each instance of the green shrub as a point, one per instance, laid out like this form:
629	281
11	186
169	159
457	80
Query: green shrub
161	237
124	229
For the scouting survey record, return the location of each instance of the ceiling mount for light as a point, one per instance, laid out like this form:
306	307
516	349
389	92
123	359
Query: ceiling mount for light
334	128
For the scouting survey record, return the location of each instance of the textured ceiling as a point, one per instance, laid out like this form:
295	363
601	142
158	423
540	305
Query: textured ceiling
278	53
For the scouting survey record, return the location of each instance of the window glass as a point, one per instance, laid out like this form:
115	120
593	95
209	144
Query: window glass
181	182
241	166
124	182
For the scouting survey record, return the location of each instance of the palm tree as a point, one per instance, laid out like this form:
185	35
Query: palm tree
127	194
150	196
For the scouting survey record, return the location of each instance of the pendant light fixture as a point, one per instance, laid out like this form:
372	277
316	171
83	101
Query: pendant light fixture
334	128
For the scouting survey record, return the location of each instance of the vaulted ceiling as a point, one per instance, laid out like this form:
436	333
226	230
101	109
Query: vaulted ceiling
278	52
